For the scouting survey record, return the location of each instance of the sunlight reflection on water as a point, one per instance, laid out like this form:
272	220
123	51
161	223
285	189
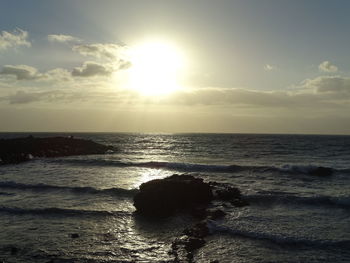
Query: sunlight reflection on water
149	175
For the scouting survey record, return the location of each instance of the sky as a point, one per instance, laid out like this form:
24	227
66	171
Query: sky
248	66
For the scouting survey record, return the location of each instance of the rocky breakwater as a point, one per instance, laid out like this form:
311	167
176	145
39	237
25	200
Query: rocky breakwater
189	194
19	150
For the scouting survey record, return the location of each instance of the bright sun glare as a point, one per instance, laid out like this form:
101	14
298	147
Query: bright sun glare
156	68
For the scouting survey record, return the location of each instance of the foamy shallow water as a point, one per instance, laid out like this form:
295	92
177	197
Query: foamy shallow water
293	216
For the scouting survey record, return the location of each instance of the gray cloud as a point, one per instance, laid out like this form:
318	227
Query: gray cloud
90	69
62	38
238	97
64	96
314	95
21	72
16	38
327	66
105	51
328	84
53	96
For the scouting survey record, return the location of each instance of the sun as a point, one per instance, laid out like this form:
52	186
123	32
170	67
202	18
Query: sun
156	69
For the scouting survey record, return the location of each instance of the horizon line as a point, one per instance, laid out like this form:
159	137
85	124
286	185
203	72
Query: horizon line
169	133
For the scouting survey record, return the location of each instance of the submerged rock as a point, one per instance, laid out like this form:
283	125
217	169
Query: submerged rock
227	193
18	150
13	250
199	230
215	214
193	243
183	247
162	197
230	194
74	235
321	171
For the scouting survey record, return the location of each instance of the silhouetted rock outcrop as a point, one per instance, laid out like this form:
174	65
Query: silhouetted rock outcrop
162	197
18	150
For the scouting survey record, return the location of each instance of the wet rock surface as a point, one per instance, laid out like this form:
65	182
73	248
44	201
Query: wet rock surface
19	150
163	197
179	193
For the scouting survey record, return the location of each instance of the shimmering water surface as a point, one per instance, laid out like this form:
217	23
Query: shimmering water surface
293	216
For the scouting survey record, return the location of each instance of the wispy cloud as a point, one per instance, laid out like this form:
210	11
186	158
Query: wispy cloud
17	37
328	84
91	69
29	73
104	51
268	67
21	72
327	66
63	38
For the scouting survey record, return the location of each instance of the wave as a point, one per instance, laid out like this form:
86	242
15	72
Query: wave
276	238
61	212
189	167
89	190
6	194
340	201
181	167
214	168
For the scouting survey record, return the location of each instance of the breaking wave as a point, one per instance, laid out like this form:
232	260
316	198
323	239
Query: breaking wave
278	239
61	212
340	201
215	168
88	190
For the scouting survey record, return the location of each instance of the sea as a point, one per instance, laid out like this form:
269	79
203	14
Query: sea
80	208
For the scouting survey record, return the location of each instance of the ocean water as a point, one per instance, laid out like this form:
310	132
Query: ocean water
293	216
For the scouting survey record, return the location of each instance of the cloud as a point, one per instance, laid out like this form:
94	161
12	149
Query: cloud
28	73
269	67
58	74
235	96
104	51
58	96
327	66
62	38
52	96
328	84
22	97
91	69
18	37
21	72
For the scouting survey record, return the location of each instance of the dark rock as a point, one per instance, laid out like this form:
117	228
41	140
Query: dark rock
321	171
162	197
18	150
13	250
182	248
60	260
199	230
75	235
239	202
193	243
199	212
228	193
215	214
